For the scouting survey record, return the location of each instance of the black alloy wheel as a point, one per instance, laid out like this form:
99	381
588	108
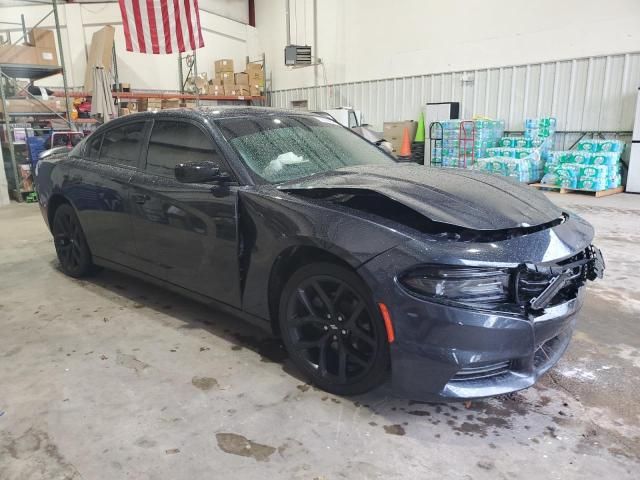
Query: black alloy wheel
70	243
332	330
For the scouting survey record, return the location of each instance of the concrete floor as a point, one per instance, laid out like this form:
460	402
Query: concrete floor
112	378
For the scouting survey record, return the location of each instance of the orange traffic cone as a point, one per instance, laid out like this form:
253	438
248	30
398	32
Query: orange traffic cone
405	149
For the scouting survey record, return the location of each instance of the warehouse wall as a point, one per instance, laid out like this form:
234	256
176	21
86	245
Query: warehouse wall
224	38
585	94
375	39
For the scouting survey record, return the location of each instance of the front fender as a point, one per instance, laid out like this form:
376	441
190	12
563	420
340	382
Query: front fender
272	222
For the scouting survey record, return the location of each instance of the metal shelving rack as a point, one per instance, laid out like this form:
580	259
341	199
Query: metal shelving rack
10	72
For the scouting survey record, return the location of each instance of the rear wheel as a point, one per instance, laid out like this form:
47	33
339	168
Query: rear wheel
332	330
71	245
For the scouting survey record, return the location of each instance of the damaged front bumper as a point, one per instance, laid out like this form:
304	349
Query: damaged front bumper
447	353
454	352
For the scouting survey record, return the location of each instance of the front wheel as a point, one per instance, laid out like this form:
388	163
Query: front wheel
71	245
332	330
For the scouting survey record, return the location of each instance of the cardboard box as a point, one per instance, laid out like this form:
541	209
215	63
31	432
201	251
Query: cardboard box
255	90
215	81
41	37
237	91
242	78
393	131
223	65
170	103
30	105
132	106
217	90
253	68
149	103
99	54
21	54
255	73
226	78
47	56
123	111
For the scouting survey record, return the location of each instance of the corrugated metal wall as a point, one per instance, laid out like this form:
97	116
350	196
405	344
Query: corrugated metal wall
585	94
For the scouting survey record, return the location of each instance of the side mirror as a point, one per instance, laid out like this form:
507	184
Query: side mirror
200	172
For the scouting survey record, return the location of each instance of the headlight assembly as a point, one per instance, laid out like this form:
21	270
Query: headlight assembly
467	285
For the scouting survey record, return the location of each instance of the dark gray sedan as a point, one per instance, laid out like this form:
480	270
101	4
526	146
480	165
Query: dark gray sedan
454	283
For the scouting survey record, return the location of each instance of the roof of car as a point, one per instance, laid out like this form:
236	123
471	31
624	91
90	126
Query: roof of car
216	112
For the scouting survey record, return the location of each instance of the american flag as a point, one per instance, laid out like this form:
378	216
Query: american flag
161	26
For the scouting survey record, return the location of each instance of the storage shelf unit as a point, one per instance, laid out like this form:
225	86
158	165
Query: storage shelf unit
32	72
9	72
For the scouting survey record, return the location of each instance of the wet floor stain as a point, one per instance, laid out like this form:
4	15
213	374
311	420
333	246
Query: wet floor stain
144	442
37	454
239	445
204	383
419	413
130	361
394	429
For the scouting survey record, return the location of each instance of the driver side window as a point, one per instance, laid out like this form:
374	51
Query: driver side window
173	142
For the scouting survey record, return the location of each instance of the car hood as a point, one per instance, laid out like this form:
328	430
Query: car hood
464	198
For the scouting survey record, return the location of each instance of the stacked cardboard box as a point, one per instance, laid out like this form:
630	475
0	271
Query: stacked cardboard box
216	89
150	104
241	84
224	76
170	103
237	90
39	50
255	74
30	105
45	44
594	165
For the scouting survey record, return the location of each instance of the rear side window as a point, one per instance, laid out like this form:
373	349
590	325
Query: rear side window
121	146
93	147
173	142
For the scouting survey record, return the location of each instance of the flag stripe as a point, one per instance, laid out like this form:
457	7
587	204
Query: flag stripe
178	25
144	26
151	13
171	26
188	18
199	28
125	26
161	26
164	34
133	28
139	27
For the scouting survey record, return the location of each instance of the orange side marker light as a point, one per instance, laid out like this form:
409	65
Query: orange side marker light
387	322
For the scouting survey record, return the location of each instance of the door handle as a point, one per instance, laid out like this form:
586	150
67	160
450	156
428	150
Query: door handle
140	198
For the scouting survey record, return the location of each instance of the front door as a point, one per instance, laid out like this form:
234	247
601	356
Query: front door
186	234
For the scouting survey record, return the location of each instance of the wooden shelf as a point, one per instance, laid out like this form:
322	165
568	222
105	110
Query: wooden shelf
165	95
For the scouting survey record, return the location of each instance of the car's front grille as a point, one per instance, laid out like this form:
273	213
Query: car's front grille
532	281
482	371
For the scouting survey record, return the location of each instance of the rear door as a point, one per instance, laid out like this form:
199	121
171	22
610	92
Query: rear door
99	188
186	234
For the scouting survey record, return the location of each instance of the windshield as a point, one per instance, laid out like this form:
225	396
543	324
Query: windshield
288	147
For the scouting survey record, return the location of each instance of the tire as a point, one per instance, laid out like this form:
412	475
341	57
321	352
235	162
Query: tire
332	329
70	243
